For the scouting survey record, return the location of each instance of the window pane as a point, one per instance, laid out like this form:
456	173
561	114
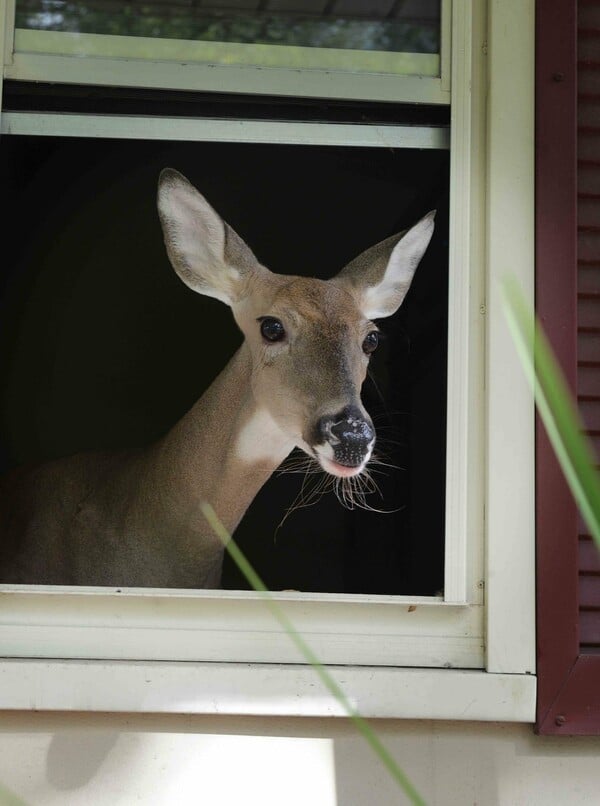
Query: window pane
410	26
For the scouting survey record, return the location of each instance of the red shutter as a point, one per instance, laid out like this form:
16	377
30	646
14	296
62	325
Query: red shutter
568	302
588	293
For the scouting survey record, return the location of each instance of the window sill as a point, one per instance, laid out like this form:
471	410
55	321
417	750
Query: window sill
263	689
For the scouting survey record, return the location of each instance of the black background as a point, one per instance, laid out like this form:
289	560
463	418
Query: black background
101	346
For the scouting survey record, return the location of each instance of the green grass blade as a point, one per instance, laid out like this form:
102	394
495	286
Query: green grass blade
556	407
361	724
8	798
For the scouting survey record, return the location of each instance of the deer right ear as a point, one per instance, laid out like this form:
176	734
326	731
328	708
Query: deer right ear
205	252
380	278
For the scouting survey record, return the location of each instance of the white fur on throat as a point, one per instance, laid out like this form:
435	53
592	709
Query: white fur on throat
261	440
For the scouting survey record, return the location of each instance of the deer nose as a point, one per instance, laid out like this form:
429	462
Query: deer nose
349	433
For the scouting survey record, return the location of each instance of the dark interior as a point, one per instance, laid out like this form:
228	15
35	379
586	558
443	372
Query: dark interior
101	346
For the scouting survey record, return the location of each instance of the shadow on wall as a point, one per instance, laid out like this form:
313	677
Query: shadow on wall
452	767
224	760
119	768
74	758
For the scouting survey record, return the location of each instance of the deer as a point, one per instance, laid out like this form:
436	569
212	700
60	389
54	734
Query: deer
134	518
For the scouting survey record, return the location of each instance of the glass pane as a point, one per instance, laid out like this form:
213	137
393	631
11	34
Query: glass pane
394	26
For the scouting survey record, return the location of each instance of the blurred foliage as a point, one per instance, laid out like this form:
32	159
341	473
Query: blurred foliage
9	798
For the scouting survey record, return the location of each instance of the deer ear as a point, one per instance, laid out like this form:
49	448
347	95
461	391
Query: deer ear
205	252
380	277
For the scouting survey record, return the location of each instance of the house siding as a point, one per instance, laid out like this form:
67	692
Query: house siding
118	760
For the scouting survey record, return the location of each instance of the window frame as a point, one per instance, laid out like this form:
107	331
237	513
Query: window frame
506	689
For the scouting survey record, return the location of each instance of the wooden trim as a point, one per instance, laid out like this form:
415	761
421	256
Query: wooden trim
575	710
263	690
121	46
202	129
225	78
509	406
568	692
556	288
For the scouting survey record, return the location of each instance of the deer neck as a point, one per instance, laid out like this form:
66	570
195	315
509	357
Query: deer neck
223	450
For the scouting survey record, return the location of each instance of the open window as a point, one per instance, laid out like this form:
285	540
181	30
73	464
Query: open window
310	164
128	349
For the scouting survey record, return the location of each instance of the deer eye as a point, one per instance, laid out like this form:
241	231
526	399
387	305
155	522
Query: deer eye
271	329
370	343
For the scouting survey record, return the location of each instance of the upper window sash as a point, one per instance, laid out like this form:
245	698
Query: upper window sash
316	25
277	70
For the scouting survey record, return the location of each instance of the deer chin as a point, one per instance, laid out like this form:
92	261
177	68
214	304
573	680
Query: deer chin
334	468
341	471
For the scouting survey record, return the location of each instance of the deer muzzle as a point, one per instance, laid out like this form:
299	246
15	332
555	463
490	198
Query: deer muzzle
345	441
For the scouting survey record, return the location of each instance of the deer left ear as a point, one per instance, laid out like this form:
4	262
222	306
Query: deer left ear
204	250
380	277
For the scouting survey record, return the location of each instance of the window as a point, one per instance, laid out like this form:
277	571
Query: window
123	364
356	631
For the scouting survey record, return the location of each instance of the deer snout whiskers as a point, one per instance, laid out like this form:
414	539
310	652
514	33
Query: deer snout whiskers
345	442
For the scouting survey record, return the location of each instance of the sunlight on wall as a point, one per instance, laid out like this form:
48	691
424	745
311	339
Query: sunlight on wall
124	759
76	768
242	769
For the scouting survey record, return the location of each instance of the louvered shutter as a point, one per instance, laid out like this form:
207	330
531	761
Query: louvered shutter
568	303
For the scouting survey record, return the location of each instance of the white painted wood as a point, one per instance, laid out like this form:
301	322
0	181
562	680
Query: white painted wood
446	44
57	124
234	595
465	429
266	690
237	627
225	78
474	478
6	20
226	53
7	9
510	577
459	331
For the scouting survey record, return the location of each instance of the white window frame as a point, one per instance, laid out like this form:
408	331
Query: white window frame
486	643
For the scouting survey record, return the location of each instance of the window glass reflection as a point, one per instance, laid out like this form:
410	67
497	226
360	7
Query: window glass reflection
410	26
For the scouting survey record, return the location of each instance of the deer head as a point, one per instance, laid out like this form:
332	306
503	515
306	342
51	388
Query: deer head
309	340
